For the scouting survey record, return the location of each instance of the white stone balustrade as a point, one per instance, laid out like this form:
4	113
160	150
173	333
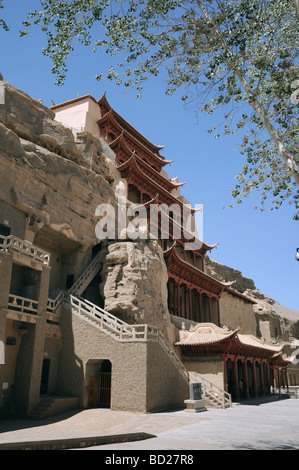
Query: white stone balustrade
14	244
122	331
22	304
54	304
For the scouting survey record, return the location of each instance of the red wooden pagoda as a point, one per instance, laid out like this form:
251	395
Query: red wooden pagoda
250	365
192	293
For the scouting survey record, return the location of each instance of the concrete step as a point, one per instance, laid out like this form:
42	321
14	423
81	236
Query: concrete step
52	405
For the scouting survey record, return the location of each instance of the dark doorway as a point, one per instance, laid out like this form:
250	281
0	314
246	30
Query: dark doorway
99	383
45	376
96	249
4	230
69	281
105	385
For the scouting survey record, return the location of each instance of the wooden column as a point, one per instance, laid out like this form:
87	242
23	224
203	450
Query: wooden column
279	378
197	317
225	384
172	295
246	385
268	376
218	310
200	307
286	377
254	378
262	377
179	298
236	378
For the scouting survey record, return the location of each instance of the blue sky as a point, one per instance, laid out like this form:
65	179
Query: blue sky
262	245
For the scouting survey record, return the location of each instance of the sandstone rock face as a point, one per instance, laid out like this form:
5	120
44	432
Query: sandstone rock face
221	272
135	283
273	320
55	179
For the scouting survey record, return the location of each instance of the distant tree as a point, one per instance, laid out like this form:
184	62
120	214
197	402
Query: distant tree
241	55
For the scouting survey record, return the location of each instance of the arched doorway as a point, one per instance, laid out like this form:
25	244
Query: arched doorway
99	383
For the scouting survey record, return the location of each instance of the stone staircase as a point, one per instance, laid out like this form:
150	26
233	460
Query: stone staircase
120	330
214	396
106	322
87	276
78	287
52	405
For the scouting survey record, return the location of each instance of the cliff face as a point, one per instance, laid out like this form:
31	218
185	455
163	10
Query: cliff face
51	184
55	180
273	319
135	283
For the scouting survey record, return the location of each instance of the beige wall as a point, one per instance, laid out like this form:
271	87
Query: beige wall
51	351
21	373
166	388
293	375
81	115
210	368
143	377
237	313
12	341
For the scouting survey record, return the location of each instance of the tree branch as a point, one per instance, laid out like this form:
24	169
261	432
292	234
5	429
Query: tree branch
253	101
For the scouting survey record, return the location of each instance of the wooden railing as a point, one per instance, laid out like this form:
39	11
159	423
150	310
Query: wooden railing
22	247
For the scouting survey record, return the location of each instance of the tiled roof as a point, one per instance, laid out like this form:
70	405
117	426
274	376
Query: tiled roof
250	340
209	333
204	333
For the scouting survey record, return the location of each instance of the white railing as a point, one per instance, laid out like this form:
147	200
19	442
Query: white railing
87	276
54	304
211	392
122	331
22	247
21	304
109	323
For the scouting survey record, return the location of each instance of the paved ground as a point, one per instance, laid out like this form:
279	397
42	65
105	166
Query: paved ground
261	426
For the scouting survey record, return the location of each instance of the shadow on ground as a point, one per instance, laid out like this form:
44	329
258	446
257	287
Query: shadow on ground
262	400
